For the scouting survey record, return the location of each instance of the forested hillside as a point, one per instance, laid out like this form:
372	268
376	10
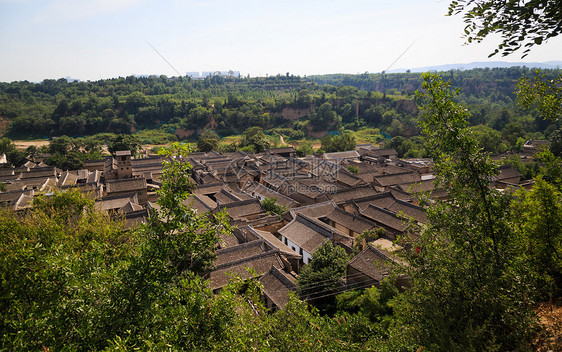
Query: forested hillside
294	106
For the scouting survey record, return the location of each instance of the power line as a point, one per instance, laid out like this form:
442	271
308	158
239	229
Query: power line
319	283
334	291
163	58
398	58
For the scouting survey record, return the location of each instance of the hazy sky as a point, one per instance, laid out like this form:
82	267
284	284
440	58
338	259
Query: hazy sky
94	39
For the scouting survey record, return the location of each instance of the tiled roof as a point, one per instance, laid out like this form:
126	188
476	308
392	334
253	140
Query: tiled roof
115	202
7	172
265	192
317	210
351	154
349	179
47	172
272	241
201	203
308	233
126	185
25	201
277	285
373	262
381	200
260	264
350	221
238	210
384	217
93	176
409	210
506	172
11	197
131	207
383	152
226	197
353	193
397	179
281	150
210	188
122	153
240	252
68	178
416	187
228	240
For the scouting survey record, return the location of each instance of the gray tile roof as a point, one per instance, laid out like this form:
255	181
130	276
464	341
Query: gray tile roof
353	193
317	210
260	263
242	209
384	217
350	221
373	262
277	285
396	179
240	252
272	241
126	185
308	233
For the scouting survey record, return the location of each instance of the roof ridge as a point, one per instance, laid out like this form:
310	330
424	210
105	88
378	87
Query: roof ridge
271	252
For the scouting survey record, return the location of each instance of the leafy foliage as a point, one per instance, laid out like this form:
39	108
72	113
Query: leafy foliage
341	143
208	141
520	23
270	205
542	93
538	218
254	140
470	284
319	280
57	263
125	142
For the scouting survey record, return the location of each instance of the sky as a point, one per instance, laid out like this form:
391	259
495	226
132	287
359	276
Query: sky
97	39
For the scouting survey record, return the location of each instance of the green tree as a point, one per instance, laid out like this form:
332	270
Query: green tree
320	279
550	169
555	139
125	142
208	140
489	139
542	93
61	145
325	118
538	217
254	138
6	145
32	151
520	23
271	206
16	157
470	288
353	169
344	142
57	261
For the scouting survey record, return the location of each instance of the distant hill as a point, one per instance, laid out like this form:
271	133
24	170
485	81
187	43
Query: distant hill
472	65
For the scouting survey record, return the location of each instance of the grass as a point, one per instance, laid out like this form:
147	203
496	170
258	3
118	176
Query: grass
231	139
368	135
155	137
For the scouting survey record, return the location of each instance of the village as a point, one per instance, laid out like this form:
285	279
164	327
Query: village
366	201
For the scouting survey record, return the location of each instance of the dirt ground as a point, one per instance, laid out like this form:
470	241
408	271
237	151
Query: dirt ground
550	317
39	143
25	144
